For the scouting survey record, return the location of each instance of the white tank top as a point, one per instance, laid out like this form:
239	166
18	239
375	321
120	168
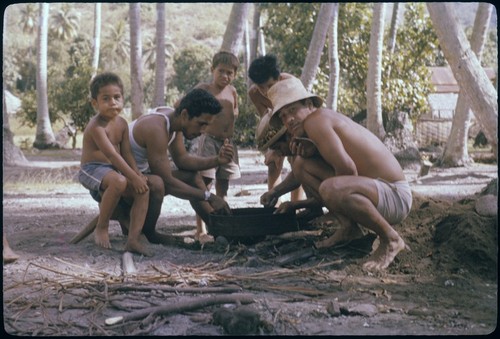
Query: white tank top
140	153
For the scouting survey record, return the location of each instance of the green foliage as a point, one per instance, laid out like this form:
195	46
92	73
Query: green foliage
407	87
191	66
27	112
72	96
289	28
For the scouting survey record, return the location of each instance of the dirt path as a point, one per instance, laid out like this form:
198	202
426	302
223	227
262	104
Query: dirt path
447	284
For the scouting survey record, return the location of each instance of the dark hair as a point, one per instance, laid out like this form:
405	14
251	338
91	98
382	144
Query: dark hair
225	58
263	68
197	102
104	79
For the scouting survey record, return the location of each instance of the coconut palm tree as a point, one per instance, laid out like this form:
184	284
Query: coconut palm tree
137	95
117	45
317	44
64	23
468	72
374	78
333	58
456	152
97	37
28	18
159	89
233	36
44	135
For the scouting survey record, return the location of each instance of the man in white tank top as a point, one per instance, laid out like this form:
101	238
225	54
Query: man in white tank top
156	136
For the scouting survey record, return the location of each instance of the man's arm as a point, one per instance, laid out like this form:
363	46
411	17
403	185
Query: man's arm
287	185
189	162
236	110
320	130
156	143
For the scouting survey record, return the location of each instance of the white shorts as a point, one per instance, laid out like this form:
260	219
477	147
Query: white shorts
394	200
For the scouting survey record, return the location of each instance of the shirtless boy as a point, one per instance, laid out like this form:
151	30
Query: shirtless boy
221	130
369	187
107	167
265	72
153	136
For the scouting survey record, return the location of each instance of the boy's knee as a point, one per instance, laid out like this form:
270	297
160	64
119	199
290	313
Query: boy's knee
118	183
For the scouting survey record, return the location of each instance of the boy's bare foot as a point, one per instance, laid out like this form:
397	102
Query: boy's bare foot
102	237
384	254
135	246
204	238
9	255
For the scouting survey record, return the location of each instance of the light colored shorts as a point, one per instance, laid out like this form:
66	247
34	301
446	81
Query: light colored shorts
90	176
209	146
394	200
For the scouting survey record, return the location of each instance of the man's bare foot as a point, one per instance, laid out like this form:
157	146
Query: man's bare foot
101	237
135	246
343	235
9	256
384	254
324	220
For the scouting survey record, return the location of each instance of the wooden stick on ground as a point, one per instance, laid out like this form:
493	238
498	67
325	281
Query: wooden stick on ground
182	307
128	266
87	230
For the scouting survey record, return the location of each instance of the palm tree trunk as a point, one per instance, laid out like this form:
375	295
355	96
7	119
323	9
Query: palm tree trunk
468	72
254	36
159	94
97	37
233	35
44	135
137	95
317	44
374	80
456	152
333	57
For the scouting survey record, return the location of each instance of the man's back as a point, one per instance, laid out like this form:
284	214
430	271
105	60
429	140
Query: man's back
370	156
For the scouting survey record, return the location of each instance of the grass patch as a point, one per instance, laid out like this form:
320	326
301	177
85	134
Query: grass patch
39	176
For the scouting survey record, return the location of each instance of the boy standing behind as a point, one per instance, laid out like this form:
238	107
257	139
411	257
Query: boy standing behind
221	130
108	168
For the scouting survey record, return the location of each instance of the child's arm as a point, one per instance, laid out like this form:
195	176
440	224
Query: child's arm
108	149
236	109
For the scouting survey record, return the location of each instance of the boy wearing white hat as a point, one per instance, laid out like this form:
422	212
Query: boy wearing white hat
369	187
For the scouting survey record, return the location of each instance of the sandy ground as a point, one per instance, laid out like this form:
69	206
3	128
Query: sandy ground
446	284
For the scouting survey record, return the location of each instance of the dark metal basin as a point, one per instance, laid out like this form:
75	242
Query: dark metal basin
251	222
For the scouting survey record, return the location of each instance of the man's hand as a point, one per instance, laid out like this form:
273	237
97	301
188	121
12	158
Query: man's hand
285	207
303	147
219	205
226	153
269	199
